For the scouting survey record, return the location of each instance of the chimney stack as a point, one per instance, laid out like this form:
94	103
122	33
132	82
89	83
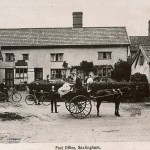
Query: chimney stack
77	19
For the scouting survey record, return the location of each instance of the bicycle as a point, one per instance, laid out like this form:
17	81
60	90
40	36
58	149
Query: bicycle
2	96
15	95
31	99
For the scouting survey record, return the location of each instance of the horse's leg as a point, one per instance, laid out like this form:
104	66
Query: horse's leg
98	106
117	103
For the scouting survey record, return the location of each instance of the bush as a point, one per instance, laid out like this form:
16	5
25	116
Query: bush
138	77
121	71
139	90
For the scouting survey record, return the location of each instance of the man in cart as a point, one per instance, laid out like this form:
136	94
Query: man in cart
66	88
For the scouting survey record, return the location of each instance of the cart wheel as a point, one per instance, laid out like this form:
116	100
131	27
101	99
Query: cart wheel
45	100
67	104
30	99
80	107
16	97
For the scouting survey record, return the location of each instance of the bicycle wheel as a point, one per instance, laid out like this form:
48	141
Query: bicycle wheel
16	97
30	99
2	96
45	100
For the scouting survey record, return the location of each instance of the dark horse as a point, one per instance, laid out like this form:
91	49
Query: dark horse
109	95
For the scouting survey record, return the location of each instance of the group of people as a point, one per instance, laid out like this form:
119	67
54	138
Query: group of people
78	82
66	88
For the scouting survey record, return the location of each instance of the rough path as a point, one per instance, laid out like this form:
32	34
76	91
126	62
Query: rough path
35	124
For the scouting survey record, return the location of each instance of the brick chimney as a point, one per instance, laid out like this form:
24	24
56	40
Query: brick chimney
77	19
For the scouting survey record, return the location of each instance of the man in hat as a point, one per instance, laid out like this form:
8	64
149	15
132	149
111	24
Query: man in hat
78	83
53	95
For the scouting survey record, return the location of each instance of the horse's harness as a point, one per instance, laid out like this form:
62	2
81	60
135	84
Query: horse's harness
116	92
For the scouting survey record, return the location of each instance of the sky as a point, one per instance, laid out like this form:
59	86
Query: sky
133	14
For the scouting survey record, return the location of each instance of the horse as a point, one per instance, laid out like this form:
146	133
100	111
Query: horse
109	95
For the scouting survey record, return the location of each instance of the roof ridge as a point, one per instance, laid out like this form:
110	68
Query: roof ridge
139	36
62	28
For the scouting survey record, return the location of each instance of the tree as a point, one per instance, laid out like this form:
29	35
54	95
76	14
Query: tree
86	66
121	71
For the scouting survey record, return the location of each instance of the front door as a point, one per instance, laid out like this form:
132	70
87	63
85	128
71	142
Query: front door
38	73
9	77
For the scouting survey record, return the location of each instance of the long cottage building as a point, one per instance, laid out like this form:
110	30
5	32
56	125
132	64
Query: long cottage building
33	53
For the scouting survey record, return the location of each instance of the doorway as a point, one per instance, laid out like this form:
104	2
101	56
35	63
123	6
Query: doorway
38	73
9	77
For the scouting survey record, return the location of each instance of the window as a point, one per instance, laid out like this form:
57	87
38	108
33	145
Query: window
21	73
103	72
104	55
57	57
25	56
58	73
141	60
10	57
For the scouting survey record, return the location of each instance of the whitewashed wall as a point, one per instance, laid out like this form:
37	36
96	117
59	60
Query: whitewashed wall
40	58
143	69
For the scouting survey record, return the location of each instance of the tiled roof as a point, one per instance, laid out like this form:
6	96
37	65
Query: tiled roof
136	41
64	36
146	49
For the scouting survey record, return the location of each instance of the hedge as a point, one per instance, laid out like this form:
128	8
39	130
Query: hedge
134	95
46	87
138	91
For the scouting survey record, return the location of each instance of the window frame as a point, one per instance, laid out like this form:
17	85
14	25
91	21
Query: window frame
25	55
57	73
11	55
104	53
102	71
141	62
56	56
21	71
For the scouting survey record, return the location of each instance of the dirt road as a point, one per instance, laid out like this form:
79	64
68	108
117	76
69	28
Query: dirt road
36	124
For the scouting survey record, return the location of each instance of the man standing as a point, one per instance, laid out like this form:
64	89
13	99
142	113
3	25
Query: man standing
5	90
53	96
89	81
78	83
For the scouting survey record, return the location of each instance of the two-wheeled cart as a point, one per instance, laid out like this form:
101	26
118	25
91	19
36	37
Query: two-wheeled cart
80	104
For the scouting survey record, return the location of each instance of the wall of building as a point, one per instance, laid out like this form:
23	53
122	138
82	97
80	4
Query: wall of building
40	58
143	69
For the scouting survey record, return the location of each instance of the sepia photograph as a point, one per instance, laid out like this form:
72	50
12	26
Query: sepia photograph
74	74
